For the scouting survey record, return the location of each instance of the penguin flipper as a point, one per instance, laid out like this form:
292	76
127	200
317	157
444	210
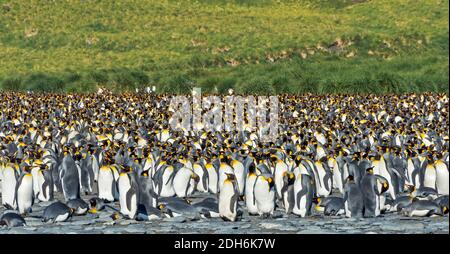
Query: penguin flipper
233	202
129	195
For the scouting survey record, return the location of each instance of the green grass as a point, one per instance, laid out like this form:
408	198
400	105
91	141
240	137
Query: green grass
252	46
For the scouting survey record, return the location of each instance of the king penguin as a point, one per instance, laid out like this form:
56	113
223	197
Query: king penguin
228	198
353	198
264	194
24	192
128	193
304	192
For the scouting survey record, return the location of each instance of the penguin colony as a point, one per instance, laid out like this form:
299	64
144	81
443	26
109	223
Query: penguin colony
340	155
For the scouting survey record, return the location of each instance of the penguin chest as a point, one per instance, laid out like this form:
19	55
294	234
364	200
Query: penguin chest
430	177
265	197
167	189
124	186
8	186
182	183
249	198
105	184
35	174
25	194
442	178
228	202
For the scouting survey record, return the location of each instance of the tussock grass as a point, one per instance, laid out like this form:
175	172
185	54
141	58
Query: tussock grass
263	46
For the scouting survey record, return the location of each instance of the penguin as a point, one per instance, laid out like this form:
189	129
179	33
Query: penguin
107	186
442	177
35	174
304	192
148	214
228	198
224	169
57	212
287	192
185	182
24	197
128	193
429	175
371	193
147	197
86	173
250	180
422	208
353	198
79	206
264	194
208	208
96	204
45	183
279	172
12	219
443	202
163	181
213	178
68	173
401	202
336	170
9	182
177	208
239	172
330	206
323	179
202	173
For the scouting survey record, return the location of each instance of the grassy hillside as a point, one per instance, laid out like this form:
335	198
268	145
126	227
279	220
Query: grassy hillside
254	46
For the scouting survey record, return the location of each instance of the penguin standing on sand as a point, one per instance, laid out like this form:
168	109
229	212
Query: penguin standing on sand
264	195
128	193
304	191
228	198
24	198
353	198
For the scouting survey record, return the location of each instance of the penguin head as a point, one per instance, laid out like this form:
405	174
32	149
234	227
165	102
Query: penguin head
269	180
288	177
444	209
317	200
144	173
230	177
384	186
369	170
